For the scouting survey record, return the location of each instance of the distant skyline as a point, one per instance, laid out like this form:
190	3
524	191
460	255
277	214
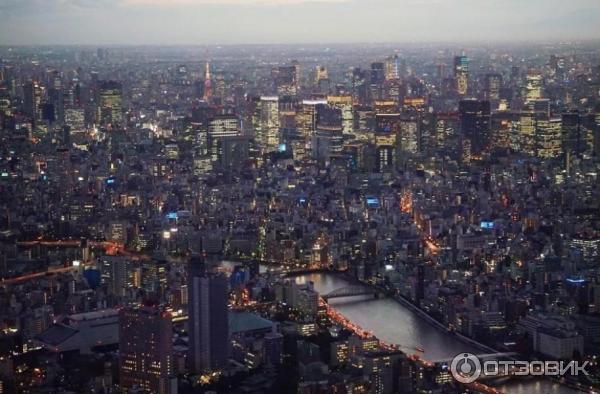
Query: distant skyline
170	22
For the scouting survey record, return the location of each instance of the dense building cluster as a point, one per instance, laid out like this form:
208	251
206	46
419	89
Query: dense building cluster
158	204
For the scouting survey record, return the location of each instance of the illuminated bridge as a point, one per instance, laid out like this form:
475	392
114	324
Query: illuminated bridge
350	291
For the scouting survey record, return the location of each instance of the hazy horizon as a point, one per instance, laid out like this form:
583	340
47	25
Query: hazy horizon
259	22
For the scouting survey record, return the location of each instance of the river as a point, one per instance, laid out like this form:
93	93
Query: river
393	323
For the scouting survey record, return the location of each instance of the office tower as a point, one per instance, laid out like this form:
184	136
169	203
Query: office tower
218	127
359	87
377	81
385	158
493	84
326	141
461	74
267	133
475	123
377	73
207	83
296	74
75	117
55	95
408	139
273	348
573	135
220	87
548	133
392	68
557	67
387	124
181	75
208	324
320	74
119	274
322	82
154	276
440	73
307	117
533	89
596	139
287	79
539	106
526	141
329	116
446	126
110	104
66	137
233	151
146	350
48	112
33	100
344	104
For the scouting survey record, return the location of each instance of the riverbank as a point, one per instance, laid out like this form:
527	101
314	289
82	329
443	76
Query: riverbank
398	322
405	302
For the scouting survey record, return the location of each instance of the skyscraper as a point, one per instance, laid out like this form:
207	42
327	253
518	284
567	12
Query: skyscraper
573	135
461	74
267	134
493	84
392	68
287	79
110	108
548	136
146	350
377	72
533	90
308	116
221	126
208	324
33	100
475	123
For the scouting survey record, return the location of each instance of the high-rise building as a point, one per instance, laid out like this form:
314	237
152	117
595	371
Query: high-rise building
33	100
326	141
307	117
344	104
218	127
461	74
539	106
533	89
322	81
526	141
493	84
287	79
408	139
548	137
377	88
596	140
267	133
110	104
475	123
119	274
146	351
573	135
208	324
392	68
377	73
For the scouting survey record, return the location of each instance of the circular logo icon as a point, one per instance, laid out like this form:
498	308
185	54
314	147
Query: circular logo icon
465	367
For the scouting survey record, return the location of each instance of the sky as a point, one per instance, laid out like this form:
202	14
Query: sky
221	22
